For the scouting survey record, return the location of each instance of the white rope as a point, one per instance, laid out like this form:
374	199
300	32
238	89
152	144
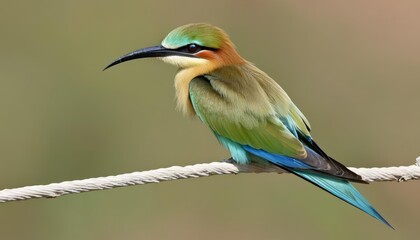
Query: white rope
403	173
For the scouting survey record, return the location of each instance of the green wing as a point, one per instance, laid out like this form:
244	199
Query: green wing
229	114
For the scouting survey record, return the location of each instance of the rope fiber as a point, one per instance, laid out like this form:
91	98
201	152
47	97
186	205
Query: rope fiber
403	173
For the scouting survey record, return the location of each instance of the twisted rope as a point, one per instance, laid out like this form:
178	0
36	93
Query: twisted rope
403	173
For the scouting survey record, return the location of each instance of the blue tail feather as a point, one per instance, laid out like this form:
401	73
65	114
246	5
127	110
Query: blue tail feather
342	189
338	187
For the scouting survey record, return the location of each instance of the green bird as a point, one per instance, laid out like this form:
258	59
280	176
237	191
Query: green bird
248	112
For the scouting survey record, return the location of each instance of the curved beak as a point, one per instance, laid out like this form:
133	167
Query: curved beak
155	51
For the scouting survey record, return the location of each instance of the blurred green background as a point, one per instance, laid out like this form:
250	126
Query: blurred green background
352	68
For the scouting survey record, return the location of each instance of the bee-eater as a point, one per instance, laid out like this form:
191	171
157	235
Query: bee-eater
248	112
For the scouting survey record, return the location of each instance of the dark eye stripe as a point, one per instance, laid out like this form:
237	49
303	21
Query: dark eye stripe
193	48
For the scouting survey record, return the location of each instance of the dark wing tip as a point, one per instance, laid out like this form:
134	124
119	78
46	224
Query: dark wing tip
329	165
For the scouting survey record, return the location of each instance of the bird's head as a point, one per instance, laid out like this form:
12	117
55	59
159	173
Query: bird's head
190	45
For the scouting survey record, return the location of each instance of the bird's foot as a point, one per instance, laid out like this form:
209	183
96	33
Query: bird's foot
230	160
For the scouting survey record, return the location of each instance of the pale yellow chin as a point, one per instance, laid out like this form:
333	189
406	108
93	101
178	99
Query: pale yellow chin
184	62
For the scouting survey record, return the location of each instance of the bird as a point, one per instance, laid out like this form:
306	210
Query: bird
248	112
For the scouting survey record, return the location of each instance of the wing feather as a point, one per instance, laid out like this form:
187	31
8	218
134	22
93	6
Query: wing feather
240	124
248	118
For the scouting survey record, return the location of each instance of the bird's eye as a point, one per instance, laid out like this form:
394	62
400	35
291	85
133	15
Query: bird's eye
192	48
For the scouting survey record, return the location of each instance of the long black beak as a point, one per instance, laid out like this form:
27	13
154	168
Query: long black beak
155	51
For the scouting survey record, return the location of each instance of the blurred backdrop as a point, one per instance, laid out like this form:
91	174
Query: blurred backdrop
352	68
